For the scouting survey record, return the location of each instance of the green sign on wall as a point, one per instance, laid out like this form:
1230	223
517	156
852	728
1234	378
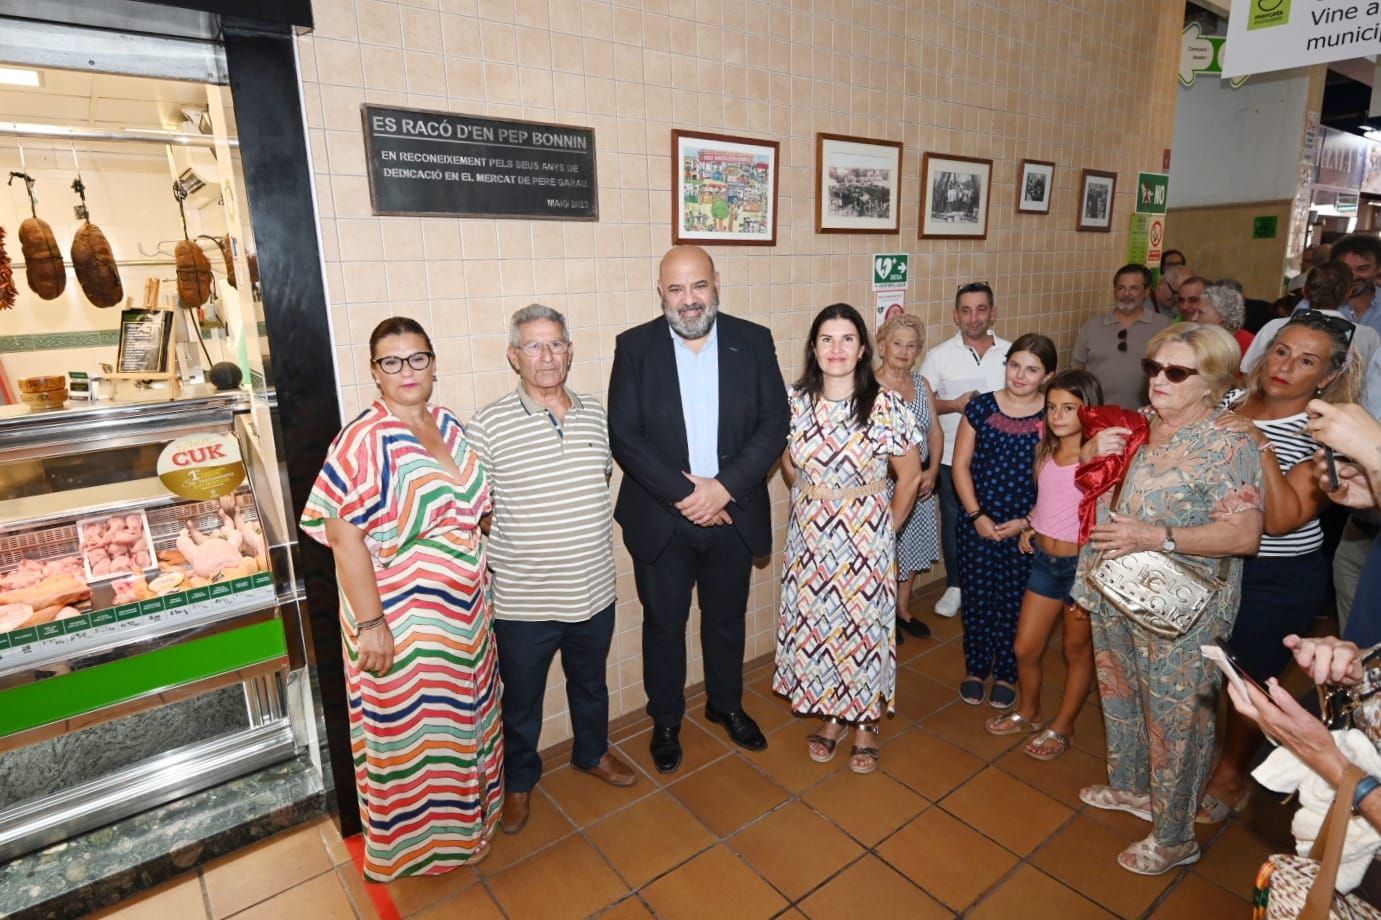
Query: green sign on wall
1152	191
1264	228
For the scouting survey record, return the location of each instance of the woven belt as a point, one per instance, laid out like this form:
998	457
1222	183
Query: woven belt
821	494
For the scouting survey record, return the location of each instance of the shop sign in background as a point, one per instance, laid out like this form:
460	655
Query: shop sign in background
1265	35
438	164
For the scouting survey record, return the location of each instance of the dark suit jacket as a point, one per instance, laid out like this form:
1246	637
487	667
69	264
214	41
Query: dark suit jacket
647	431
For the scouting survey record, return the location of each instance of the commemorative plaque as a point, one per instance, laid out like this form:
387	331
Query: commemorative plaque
448	165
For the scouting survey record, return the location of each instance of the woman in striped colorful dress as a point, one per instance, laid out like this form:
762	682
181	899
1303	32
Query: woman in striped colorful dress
1283	584
399	501
836	652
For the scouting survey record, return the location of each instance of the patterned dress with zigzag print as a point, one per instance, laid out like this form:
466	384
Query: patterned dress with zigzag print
427	736
836	651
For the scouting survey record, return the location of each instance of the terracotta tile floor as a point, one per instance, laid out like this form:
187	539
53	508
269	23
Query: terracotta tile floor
955	822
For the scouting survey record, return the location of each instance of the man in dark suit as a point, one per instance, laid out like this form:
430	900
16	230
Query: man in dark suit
697	417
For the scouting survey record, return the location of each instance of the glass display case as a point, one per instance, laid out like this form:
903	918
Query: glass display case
148	630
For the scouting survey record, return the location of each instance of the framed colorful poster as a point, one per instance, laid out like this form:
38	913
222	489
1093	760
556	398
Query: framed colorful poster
1035	187
954	197
1095	200
723	189
857	184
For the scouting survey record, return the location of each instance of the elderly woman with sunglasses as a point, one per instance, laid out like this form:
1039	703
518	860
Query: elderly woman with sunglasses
1282	585
1193	492
399	501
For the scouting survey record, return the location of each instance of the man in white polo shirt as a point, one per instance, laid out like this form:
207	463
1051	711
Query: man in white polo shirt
551	550
958	369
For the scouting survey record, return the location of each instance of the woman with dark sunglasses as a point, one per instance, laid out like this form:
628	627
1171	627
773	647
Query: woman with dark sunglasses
1192	492
1283	583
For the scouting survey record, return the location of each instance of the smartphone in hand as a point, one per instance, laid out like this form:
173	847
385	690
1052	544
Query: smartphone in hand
1221	654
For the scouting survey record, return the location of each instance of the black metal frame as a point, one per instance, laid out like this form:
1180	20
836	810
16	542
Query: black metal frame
266	90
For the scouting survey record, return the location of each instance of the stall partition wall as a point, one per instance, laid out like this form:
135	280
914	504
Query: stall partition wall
260	58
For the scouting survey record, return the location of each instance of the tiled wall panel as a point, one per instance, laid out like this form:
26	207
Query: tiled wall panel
1085	83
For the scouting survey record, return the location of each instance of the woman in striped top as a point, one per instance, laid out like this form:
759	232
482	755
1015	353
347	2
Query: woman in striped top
1282	584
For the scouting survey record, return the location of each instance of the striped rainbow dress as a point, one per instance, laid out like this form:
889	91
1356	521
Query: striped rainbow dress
427	736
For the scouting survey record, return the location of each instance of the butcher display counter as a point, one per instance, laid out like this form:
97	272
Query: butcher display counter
148	621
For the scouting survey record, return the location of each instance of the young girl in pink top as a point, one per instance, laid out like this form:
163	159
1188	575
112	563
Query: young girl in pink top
1052	535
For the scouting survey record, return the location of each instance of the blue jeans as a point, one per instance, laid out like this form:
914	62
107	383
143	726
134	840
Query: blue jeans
526	649
1052	576
949	517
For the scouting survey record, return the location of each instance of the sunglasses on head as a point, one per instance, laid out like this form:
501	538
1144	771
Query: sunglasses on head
974	287
1317	318
1174	373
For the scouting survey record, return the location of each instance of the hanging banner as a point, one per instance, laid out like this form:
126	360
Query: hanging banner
1201	53
1265	35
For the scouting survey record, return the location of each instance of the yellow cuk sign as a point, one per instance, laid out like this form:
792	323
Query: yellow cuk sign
202	466
1262	14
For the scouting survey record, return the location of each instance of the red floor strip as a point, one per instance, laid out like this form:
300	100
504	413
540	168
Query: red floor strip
378	894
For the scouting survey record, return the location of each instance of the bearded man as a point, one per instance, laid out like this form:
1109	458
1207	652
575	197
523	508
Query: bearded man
697	418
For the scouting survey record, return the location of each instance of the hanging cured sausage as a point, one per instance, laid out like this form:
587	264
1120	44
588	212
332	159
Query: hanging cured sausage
193	268
8	293
93	262
43	266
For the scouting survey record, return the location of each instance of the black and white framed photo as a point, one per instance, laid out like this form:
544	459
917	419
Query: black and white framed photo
857	184
1035	187
1095	200
954	197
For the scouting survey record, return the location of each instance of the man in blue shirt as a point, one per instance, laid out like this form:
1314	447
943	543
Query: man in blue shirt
697	418
1360	252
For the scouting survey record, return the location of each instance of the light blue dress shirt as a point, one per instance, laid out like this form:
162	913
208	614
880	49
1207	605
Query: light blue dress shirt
698	373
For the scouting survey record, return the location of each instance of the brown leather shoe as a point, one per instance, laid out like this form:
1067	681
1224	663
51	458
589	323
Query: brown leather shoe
612	770
517	807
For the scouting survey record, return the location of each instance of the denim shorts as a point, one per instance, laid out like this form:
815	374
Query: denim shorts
1052	576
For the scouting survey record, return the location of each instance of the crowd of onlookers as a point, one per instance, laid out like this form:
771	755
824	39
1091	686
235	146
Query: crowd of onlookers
1185	444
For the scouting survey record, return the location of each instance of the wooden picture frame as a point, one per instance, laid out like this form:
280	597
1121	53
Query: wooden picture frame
955	194
723	189
857	184
1097	194
1035	186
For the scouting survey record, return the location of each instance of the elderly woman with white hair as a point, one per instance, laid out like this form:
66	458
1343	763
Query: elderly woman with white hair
901	342
1223	305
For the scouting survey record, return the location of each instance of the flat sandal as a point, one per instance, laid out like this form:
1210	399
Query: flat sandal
829	744
871	754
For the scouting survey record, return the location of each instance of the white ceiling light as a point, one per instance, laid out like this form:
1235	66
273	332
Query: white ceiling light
20	76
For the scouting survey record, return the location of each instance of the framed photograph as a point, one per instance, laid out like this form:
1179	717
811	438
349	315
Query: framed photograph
1095	200
954	197
723	189
1035	187
857	184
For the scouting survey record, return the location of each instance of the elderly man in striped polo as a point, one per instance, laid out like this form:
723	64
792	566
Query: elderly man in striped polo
551	551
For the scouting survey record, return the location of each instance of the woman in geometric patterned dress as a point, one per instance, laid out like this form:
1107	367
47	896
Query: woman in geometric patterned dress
836	648
900	341
399	501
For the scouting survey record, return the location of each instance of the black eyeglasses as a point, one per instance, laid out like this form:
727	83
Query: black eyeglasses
1122	340
392	364
974	287
1175	373
1317	318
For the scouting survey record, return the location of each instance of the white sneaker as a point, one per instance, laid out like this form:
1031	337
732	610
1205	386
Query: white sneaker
948	604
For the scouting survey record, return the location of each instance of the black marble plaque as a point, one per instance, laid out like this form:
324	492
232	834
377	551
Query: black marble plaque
447	165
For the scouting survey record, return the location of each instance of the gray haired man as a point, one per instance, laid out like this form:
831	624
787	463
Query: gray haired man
551	551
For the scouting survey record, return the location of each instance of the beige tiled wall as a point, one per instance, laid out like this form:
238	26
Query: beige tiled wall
1218	243
1084	83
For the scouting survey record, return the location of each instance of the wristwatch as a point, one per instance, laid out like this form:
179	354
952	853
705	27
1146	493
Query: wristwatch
1168	544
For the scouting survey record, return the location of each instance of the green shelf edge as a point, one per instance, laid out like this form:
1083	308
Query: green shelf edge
59	698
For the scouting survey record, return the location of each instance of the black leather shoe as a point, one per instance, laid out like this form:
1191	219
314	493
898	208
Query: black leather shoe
742	730
666	748
913	626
